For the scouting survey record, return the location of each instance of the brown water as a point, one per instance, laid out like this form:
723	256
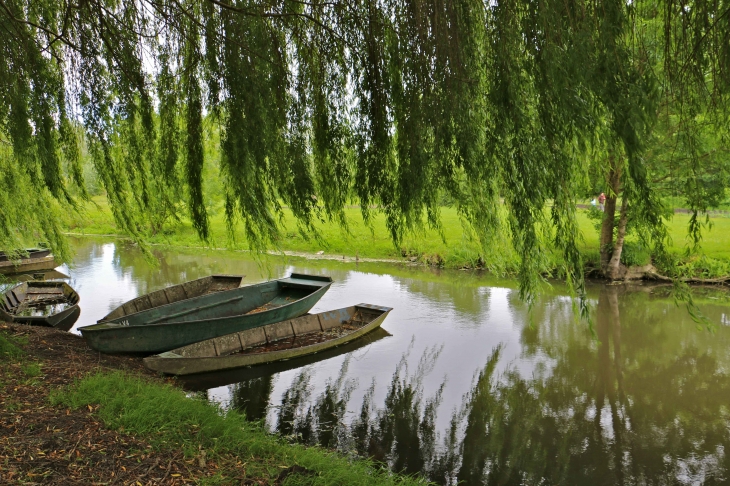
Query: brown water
464	384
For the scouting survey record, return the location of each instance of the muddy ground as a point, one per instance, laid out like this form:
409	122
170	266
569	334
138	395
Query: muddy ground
52	445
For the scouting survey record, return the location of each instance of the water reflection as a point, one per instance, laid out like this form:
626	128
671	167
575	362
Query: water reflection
608	412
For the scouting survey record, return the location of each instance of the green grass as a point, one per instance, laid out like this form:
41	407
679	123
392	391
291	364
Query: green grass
9	348
166	418
31	369
427	246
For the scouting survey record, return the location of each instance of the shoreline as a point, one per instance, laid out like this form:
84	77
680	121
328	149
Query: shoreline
59	425
632	274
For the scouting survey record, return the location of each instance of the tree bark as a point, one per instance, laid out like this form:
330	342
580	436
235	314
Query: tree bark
614	265
609	212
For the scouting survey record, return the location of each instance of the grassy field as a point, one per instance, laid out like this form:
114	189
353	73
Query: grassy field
455	250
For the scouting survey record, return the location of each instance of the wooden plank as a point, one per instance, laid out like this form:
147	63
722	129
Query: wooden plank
129	308
252	337
12	299
203	348
176	293
280	330
328	320
227	344
157	298
306	324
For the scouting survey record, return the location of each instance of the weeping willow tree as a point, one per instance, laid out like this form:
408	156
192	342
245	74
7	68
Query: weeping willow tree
391	102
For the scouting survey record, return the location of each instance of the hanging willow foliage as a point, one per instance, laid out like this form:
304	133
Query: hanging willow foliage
393	102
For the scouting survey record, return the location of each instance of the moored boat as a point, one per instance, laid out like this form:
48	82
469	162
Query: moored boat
214	379
50	304
188	321
283	340
170	296
34	259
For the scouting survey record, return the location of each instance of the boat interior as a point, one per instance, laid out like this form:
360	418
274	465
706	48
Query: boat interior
301	331
177	293
28	295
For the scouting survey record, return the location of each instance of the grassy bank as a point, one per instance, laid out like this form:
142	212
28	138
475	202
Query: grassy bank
459	249
105	419
167	418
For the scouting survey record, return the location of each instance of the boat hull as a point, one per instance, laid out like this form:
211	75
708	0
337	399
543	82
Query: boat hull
25	265
169	332
174	363
216	378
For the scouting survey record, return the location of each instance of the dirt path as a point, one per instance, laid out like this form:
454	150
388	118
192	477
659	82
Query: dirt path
49	445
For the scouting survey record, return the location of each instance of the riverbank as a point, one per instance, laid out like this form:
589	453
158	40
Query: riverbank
71	415
459	250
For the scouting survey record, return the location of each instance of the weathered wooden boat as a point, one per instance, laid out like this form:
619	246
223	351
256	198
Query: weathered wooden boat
35	259
214	379
170	296
50	304
170	326
275	342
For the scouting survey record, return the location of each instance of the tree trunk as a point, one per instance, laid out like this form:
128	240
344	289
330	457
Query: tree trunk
609	212
612	271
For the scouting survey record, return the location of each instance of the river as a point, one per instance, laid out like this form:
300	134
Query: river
465	383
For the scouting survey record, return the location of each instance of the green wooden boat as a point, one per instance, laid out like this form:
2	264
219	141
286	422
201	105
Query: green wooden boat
49	304
172	295
275	342
188	321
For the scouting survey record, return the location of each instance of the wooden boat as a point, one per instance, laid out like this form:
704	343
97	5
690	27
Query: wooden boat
36	259
50	304
169	326
275	342
214	379
176	293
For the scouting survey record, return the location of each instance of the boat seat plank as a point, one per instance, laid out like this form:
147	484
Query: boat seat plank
305	324
252	337
8	302
44	290
279	330
227	344
12	300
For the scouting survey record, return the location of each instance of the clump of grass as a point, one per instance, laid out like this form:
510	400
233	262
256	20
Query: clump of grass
165	417
9	348
31	369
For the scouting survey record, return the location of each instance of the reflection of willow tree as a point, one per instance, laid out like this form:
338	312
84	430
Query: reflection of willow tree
402	434
640	404
252	397
323	422
600	417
